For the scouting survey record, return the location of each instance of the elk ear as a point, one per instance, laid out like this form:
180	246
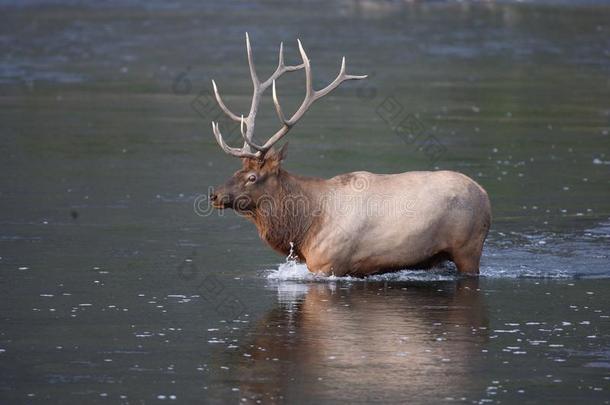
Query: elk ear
274	158
281	154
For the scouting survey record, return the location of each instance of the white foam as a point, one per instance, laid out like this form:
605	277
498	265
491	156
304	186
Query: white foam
293	271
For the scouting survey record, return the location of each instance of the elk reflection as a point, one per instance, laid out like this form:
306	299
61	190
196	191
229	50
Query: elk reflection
365	341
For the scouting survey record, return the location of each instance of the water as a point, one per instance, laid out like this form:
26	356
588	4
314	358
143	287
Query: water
114	289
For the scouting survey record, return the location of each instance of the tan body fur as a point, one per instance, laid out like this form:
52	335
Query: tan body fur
372	223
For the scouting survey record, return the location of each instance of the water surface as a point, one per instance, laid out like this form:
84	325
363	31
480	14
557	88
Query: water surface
114	289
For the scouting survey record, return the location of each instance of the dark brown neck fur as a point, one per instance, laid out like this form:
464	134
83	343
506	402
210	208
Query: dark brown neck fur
290	214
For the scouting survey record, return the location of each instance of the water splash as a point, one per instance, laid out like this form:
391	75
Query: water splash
292	257
293	271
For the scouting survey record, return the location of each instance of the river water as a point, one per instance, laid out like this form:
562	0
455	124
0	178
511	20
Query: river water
116	289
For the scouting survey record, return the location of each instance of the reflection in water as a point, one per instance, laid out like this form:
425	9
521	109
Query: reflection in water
366	341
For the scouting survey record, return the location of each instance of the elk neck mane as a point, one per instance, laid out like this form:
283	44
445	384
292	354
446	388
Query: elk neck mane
290	214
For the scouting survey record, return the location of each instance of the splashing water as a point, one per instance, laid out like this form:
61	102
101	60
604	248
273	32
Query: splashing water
292	258
497	263
292	270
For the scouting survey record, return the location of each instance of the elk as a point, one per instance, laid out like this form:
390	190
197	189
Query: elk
353	224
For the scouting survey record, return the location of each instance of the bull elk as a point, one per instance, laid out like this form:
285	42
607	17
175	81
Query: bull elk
358	223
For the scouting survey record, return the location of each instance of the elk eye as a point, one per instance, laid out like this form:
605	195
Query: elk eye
252	178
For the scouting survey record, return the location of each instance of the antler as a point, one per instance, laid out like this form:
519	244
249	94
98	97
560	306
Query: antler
251	149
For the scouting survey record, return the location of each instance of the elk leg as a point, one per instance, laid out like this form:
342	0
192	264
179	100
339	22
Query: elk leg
467	265
467	259
326	268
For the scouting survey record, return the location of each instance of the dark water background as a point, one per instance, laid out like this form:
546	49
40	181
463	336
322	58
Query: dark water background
115	290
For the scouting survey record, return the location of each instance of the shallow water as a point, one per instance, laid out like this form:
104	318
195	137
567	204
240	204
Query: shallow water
114	289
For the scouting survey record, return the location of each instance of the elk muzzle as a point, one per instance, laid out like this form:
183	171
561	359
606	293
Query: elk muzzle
220	198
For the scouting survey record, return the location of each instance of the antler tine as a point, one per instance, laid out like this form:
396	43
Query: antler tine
222	105
308	81
244	135
280	62
231	151
241	127
280	70
341	77
255	81
278	107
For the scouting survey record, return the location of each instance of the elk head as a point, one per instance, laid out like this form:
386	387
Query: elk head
259	176
252	184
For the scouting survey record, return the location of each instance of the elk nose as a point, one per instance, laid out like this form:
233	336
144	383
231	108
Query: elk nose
213	196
